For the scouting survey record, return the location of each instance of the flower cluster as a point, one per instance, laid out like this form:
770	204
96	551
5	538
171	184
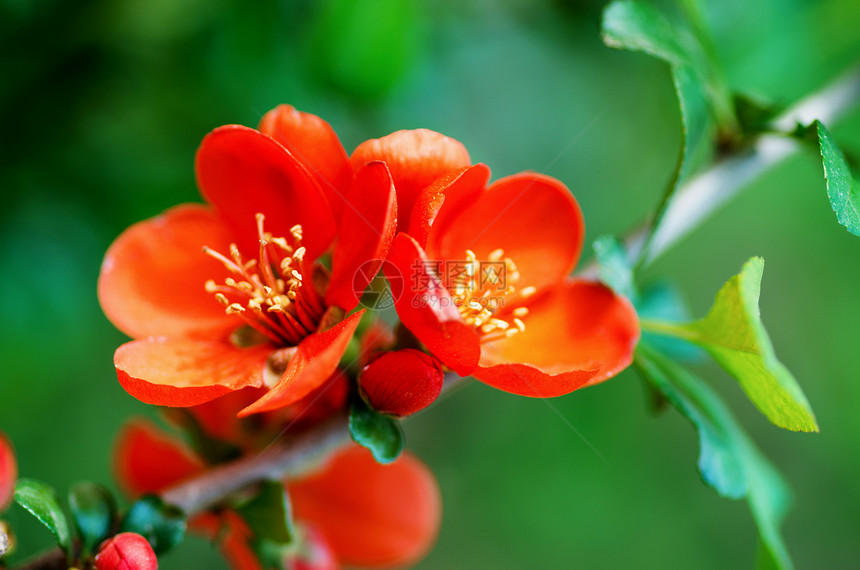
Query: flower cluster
249	304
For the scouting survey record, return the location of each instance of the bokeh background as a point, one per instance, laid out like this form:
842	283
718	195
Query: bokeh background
104	102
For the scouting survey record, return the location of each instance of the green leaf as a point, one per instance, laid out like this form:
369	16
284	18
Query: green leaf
378	433
161	524
734	335
269	514
842	187
728	460
640	27
93	510
42	502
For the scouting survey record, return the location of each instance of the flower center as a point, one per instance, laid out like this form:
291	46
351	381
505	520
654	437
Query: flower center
480	291
270	293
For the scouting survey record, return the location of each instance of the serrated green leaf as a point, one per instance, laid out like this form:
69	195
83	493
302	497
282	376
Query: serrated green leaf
732	332
639	26
842	187
161	524
42	502
378	433
93	509
269	514
728	460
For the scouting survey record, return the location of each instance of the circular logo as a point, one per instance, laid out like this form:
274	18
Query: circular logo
369	284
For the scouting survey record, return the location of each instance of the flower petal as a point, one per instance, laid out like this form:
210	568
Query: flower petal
314	143
372	515
426	308
243	172
402	382
152	280
145	460
367	227
532	217
577	333
415	158
8	471
183	373
314	362
449	190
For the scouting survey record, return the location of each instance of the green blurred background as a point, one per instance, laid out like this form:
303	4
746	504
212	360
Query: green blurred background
104	102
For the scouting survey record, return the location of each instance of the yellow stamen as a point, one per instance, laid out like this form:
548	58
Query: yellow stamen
267	292
480	291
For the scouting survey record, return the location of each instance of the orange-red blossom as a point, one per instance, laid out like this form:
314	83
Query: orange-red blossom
232	293
490	294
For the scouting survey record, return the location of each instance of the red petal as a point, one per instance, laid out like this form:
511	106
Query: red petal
8	471
366	230
402	382
314	143
126	551
415	158
372	514
577	333
451	191
182	373
532	217
427	309
236	543
314	362
243	172
153	276
148	461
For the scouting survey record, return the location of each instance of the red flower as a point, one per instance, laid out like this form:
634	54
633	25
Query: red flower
490	293
258	308
368	514
8	471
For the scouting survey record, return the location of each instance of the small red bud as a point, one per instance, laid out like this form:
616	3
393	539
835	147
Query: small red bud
8	471
126	551
402	382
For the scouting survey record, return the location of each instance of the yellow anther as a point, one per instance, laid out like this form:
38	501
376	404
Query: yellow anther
235	308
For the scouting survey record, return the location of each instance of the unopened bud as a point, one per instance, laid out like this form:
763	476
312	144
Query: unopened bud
126	551
401	382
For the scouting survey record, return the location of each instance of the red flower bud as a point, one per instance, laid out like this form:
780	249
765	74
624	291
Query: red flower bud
126	551
8	471
402	382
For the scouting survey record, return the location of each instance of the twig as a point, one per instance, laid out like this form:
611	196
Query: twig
289	457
